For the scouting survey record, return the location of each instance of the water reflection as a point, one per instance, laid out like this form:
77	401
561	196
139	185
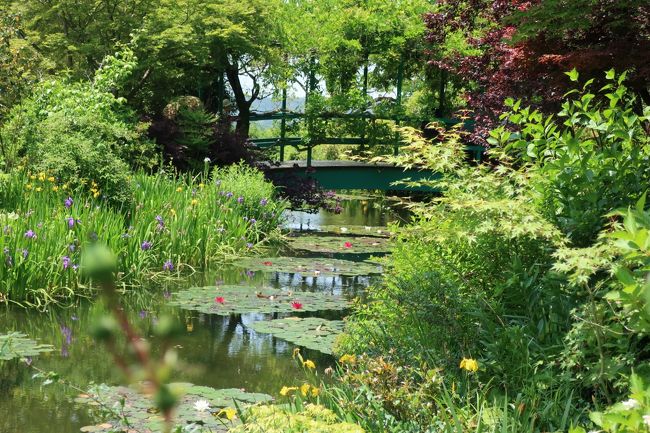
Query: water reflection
217	351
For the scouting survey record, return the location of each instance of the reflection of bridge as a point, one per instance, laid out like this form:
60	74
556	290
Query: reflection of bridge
348	174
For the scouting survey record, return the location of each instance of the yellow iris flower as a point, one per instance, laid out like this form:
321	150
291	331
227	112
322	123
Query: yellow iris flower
469	364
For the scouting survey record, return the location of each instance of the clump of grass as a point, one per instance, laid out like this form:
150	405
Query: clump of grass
174	222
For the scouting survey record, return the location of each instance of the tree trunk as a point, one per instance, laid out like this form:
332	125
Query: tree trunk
243	104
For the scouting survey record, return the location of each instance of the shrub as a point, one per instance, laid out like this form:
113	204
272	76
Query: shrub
591	159
80	131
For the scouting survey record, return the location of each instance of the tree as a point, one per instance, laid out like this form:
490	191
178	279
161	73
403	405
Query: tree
521	49
77	34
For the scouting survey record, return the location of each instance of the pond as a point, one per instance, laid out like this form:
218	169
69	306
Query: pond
217	351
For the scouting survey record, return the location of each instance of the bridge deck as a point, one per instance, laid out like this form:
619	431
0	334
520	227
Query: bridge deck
355	174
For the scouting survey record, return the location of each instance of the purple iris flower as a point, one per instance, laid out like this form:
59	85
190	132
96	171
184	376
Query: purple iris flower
160	219
66	262
29	234
263	202
68	202
75	267
253	221
168	266
25	253
146	245
143	314
70	222
240	199
249	245
229	194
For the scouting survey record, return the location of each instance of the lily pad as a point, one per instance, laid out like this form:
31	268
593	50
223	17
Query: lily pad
340	244
142	416
377	231
310	266
310	332
16	345
228	300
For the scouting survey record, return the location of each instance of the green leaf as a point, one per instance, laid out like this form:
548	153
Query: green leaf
310	332
228	300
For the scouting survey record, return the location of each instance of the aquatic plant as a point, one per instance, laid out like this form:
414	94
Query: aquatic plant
173	223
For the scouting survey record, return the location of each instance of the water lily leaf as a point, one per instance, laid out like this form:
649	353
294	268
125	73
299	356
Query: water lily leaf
17	345
228	300
140	412
310	332
340	244
376	231
310	266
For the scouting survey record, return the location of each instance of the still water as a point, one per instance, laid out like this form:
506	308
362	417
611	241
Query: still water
216	351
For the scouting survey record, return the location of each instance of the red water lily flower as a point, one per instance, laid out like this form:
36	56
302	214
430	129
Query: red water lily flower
348	245
296	305
267	263
219	300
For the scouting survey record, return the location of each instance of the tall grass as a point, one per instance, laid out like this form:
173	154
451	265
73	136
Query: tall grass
172	223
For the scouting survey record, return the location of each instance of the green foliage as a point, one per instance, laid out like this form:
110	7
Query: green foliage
310	332
591	159
310	266
629	416
16	345
509	268
188	222
134	410
340	244
229	300
276	419
76	131
607	338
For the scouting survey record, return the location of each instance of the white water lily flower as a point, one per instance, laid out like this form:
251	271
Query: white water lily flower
630	404
646	420
344	229
368	228
202	405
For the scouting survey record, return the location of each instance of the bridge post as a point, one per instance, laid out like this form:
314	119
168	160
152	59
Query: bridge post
283	122
400	81
309	147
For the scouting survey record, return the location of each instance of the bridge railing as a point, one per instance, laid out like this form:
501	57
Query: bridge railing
312	139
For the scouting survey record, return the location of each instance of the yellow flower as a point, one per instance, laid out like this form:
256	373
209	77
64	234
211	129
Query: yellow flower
201	185
315	391
469	364
348	359
50	179
194	202
172	211
179	189
29	186
304	389
41	177
296	352
96	194
55	188
32	177
286	390
39	189
309	364
228	412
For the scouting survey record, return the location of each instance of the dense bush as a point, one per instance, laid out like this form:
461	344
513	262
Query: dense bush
593	158
79	130
509	269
